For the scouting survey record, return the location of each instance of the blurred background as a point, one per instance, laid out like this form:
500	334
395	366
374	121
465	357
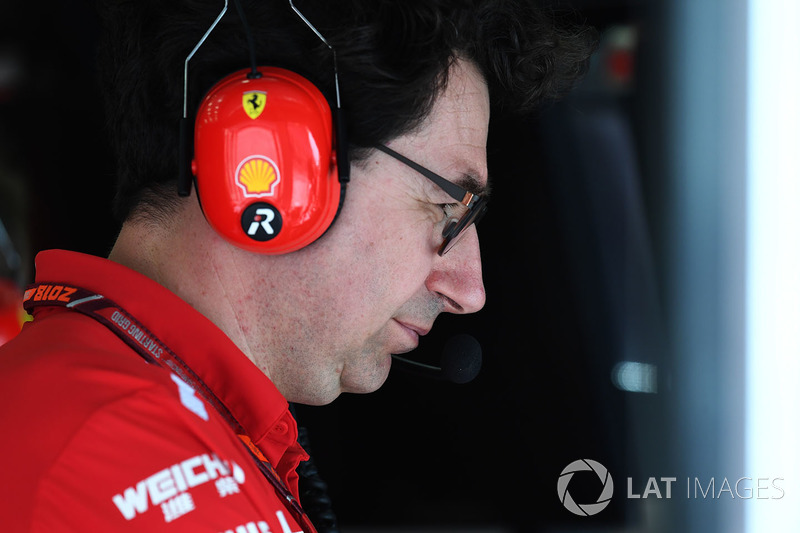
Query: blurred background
642	265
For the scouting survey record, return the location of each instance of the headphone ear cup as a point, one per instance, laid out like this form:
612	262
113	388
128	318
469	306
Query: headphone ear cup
264	162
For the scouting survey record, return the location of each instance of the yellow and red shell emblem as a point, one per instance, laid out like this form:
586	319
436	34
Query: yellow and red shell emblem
257	176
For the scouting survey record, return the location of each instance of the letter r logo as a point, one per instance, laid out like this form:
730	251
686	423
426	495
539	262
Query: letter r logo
263	216
261	221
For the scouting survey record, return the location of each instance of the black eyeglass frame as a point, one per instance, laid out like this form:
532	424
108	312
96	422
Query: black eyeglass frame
476	205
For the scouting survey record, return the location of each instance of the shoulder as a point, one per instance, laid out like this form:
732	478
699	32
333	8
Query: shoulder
62	368
89	415
102	440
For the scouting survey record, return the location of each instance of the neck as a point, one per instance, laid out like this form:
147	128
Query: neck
187	257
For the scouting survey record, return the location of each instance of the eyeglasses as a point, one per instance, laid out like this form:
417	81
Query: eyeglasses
471	207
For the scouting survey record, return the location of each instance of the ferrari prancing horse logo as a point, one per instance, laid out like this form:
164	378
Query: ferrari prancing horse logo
253	103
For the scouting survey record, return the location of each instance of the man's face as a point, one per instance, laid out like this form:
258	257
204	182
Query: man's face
374	284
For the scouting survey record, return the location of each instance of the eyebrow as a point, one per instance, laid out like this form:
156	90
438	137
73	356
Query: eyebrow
473	185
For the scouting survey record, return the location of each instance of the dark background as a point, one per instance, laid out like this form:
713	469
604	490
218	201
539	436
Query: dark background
576	190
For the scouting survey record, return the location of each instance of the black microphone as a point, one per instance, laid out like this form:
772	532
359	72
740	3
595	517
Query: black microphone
460	363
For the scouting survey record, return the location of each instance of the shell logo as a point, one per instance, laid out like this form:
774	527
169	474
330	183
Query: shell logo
257	176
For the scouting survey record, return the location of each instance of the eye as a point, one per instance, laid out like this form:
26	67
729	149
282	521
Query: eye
451	210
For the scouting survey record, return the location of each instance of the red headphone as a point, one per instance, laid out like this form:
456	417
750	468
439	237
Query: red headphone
265	162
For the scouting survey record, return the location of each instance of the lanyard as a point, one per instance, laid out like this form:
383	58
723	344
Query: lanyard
154	351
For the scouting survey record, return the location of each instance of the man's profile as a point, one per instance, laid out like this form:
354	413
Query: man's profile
304	250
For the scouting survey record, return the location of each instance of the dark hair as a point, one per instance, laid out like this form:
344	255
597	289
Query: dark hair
393	57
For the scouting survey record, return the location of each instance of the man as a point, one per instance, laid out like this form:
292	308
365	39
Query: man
150	392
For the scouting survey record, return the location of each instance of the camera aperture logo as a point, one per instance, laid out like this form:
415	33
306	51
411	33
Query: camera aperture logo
585	509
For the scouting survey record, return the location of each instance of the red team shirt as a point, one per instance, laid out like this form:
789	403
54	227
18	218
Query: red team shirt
97	439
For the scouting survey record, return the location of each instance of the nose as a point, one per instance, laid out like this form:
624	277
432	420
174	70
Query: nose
457	276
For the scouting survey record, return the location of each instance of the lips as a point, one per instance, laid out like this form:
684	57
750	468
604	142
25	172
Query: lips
413	332
419	330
